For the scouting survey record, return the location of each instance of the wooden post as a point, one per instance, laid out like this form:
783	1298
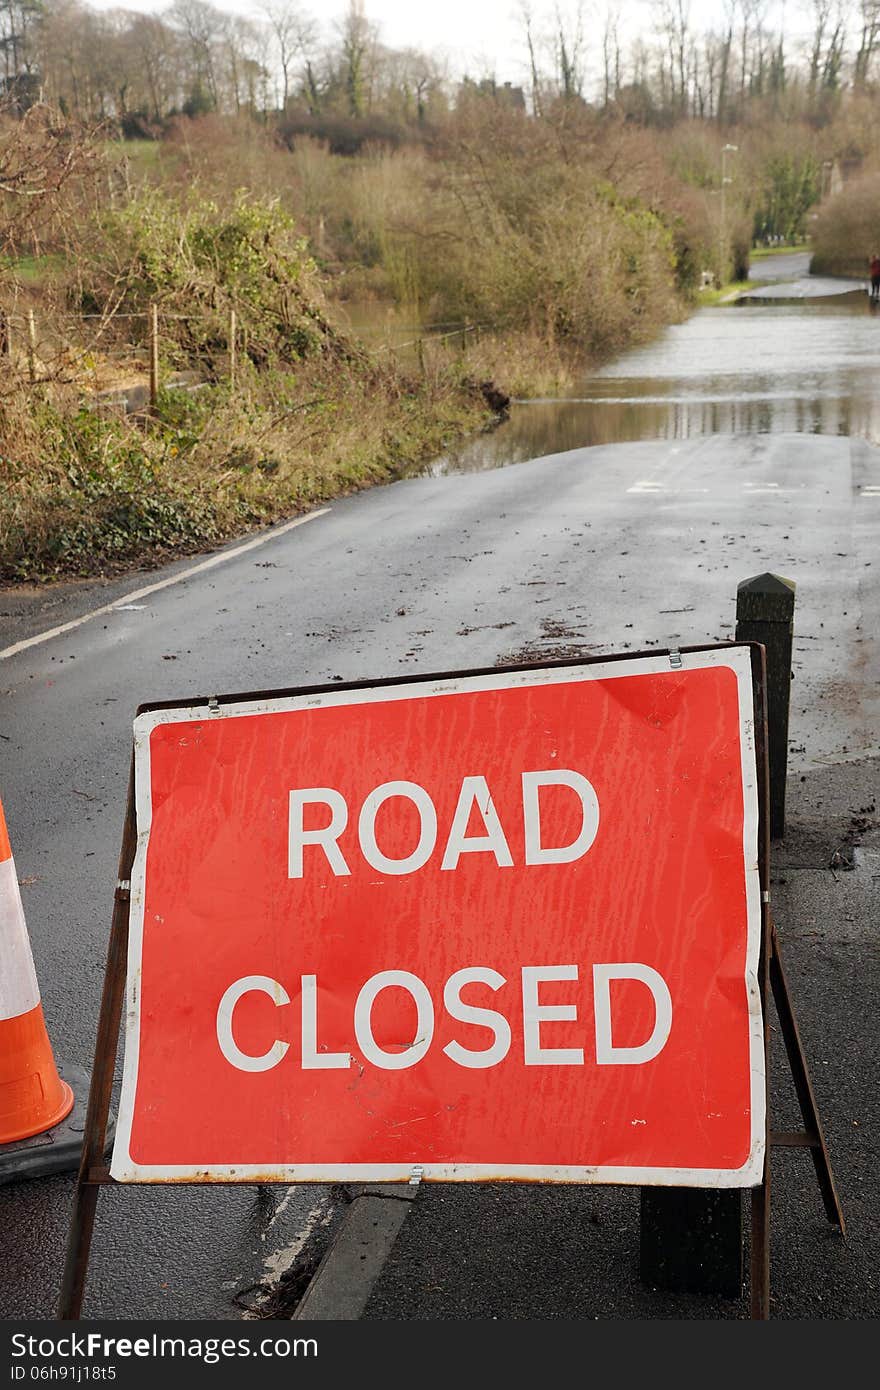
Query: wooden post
5	334
420	353
32	345
232	349
765	614
154	356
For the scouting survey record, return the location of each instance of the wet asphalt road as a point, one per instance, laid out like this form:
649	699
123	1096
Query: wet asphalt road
593	551
788	277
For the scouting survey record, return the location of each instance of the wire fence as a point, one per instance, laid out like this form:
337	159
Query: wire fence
88	349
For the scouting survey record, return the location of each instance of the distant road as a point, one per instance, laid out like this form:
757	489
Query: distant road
788	266
792	280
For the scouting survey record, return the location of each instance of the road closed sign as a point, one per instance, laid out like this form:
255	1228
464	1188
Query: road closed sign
478	927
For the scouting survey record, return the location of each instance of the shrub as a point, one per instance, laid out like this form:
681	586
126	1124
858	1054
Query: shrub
198	263
845	232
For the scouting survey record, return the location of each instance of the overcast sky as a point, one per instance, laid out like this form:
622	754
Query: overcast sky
476	35
483	37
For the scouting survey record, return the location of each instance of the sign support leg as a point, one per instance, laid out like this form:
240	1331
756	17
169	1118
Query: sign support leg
813	1137
106	1045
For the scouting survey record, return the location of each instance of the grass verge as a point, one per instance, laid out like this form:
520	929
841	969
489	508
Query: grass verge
91	494
86	490
763	253
727	294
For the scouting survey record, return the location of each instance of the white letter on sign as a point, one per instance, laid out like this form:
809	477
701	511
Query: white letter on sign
469	1013
562	854
427	832
312	1059
363	1020
326	838
534	1014
475	790
228	1045
606	1052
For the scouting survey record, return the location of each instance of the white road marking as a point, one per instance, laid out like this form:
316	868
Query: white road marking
653	488
871	491
278	1262
130	600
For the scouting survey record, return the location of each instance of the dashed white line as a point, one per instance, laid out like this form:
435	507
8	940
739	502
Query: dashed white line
646	486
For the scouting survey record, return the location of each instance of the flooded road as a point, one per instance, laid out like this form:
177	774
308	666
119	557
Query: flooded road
771	367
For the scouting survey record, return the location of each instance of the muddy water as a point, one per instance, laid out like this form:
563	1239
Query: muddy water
762	368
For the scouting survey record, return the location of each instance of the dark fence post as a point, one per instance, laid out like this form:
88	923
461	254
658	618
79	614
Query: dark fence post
765	614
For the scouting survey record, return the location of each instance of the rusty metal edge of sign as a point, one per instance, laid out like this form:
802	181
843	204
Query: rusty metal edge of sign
734	656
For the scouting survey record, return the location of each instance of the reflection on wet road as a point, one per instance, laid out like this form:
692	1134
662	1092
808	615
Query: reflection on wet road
769	368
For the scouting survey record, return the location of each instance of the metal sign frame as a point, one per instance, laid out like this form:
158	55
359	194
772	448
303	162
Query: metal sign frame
94	1173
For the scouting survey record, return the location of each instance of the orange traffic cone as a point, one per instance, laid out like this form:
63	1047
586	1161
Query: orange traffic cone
33	1097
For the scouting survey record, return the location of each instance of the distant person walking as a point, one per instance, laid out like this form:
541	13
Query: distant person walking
874	272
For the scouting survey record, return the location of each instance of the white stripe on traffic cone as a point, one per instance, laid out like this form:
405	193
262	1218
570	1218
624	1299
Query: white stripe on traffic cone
33	1097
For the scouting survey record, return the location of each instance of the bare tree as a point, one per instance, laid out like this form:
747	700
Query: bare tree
675	22
570	52
407	80
611	53
821	20
294	33
359	38
869	18
527	23
203	28
19	19
826	52
757	72
726	49
157	53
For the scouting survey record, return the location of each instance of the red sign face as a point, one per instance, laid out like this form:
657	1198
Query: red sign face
503	926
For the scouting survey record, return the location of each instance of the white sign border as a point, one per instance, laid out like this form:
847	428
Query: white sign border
125	1169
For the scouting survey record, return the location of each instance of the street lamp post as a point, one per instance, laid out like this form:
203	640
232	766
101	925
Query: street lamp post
722	248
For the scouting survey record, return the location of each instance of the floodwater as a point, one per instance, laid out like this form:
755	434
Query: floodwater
799	358
770	367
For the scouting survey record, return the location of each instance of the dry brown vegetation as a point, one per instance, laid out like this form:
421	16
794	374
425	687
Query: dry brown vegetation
86	488
566	233
846	233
